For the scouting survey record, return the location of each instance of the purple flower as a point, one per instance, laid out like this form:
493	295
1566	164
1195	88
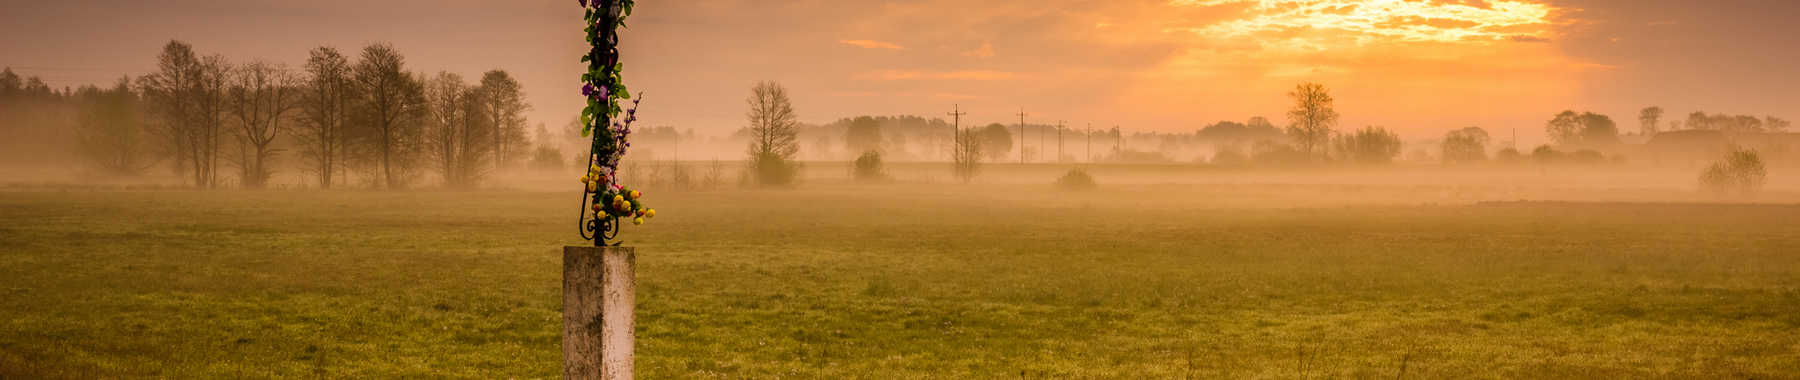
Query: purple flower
587	89
583	3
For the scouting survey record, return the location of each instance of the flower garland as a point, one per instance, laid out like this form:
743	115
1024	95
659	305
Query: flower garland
603	87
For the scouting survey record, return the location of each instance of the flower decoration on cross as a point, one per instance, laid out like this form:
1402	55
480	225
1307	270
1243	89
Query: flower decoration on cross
606	202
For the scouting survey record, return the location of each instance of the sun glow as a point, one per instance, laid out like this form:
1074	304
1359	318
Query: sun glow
1368	21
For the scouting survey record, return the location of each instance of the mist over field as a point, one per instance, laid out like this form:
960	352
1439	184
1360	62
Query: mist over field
1193	189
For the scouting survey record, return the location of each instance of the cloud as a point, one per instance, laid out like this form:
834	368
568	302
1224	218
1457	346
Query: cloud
1591	66
1527	38
890	75
1366	21
872	44
985	51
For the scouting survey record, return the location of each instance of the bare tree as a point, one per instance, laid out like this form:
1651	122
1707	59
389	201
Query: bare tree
774	128
503	104
213	119
264	100
170	98
456	133
109	131
324	128
1311	119
967	154
1648	120
390	105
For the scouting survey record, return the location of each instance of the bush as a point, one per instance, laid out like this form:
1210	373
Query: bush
1230	154
1742	172
1467	145
868	166
547	158
1509	156
1270	152
1076	179
769	170
1587	157
1371	145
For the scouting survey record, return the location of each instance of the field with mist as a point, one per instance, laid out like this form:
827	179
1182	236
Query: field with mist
1163	272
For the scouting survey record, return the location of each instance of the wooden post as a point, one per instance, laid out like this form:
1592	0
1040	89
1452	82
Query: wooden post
599	303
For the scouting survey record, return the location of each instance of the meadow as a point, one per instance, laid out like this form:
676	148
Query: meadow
1395	274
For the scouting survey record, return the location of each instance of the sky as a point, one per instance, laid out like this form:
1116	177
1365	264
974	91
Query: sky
1417	67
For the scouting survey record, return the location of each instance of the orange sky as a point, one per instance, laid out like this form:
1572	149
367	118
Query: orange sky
1421	67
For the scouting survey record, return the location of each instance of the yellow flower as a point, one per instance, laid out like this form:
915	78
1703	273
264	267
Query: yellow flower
638	221
635	194
651	213
618	198
590	187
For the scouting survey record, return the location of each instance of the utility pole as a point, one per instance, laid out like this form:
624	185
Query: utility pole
1119	145
1090	142
1059	141
1022	116
956	131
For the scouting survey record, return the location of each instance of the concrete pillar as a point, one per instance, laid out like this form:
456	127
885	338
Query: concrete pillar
599	305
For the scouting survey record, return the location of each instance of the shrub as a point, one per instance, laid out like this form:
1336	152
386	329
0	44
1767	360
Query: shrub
1741	172
770	170
1509	156
1587	157
1467	145
1076	179
1270	152
1230	154
547	158
868	166
1372	145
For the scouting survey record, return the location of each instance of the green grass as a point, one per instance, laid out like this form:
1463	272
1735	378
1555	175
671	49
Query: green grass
902	281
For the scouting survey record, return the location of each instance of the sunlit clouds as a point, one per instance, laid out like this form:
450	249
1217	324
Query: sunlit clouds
872	44
1376	21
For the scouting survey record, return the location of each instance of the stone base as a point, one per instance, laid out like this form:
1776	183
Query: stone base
599	306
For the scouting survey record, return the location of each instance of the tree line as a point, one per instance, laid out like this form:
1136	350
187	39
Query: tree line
215	123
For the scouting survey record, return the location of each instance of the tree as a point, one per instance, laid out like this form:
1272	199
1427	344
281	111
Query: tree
1775	124
1648	119
503	103
1741	172
187	104
863	135
456	134
968	154
996	141
1312	117
1597	129
1371	145
869	167
109	132
1586	129
1564	128
1467	145
265	99
390	103
326	102
774	128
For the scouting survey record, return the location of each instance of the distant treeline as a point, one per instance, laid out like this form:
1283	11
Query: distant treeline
371	122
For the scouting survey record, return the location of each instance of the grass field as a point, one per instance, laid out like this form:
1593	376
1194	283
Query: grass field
908	281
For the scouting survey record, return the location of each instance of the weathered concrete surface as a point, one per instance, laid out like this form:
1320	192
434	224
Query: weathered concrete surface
599	305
